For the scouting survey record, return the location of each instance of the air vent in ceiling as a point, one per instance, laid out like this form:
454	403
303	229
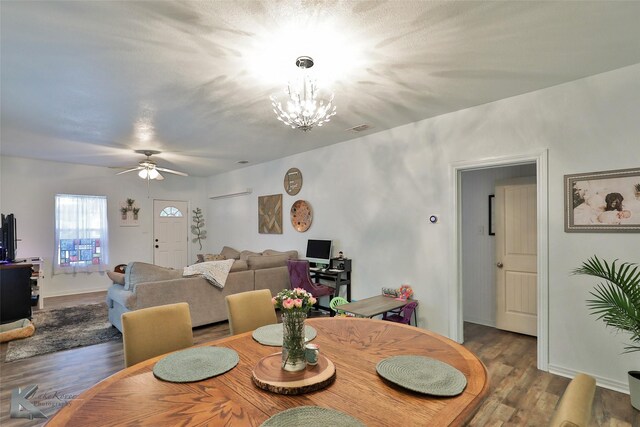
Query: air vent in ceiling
360	128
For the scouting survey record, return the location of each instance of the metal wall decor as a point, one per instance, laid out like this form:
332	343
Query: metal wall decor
293	181
301	215
270	214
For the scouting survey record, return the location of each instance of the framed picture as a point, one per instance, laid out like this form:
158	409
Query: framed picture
492	215
607	201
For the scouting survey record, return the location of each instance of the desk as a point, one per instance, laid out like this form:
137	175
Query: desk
135	396
374	306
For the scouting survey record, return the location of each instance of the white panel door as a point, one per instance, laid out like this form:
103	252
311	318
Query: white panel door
516	258
170	233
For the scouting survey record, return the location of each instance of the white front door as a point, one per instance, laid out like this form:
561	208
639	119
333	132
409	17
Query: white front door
516	257
170	233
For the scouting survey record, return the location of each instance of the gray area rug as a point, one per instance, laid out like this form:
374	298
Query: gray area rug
63	329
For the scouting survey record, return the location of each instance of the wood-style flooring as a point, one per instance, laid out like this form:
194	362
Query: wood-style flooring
520	395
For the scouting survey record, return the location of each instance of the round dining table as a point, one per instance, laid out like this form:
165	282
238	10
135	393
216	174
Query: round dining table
134	396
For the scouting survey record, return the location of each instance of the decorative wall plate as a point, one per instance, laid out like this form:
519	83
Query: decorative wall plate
301	215
293	181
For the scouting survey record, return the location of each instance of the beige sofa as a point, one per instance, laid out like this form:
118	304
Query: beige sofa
146	285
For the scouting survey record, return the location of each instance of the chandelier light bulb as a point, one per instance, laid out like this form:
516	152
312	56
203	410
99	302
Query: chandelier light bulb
303	110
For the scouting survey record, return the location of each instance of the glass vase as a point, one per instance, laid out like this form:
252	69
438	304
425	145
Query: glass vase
293	340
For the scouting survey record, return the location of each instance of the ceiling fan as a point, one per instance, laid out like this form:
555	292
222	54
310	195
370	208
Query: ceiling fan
148	169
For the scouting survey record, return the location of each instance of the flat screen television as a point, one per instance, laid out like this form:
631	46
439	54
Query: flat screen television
319	251
9	240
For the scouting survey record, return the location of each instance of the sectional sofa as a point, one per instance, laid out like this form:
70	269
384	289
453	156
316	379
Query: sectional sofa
147	285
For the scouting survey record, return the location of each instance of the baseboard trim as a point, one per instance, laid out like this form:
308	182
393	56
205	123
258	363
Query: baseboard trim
74	292
480	322
608	383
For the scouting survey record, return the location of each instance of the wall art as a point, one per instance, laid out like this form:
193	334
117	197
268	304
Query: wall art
607	201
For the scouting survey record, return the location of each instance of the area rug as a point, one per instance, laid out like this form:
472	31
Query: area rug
63	329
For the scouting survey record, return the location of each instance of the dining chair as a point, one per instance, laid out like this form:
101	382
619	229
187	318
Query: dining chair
300	278
337	301
250	310
153	331
404	316
574	408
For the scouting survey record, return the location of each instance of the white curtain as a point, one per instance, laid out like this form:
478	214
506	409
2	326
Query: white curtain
82	234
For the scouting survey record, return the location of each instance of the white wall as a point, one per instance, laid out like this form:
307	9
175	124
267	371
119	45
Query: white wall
373	196
28	188
478	247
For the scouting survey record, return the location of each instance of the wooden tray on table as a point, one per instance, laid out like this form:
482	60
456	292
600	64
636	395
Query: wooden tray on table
269	375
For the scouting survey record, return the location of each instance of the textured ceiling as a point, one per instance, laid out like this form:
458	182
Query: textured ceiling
89	82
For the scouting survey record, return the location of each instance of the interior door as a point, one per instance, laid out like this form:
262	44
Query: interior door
170	233
516	257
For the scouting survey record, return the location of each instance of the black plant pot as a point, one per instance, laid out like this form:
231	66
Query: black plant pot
634	389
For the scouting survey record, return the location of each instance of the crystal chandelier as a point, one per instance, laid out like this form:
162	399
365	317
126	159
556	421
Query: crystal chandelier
303	108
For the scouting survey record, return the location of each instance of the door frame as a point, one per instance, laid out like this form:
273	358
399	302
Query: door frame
153	226
456	323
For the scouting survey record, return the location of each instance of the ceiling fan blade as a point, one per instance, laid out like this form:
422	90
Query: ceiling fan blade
159	177
130	170
171	171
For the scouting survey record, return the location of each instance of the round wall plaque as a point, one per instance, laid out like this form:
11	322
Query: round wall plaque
301	215
293	181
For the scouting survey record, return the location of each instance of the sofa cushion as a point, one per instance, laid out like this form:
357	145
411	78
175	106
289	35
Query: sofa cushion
230	253
291	254
117	278
257	262
140	272
239	265
244	255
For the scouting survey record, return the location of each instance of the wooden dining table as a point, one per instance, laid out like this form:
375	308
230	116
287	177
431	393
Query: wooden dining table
134	396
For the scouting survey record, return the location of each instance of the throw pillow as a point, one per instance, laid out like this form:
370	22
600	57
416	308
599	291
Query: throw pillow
230	253
117	278
239	265
244	255
214	257
291	254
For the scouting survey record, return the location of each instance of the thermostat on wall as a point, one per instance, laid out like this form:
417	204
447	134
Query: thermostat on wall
433	219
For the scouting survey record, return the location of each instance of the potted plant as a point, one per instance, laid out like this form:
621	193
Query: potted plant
617	302
637	188
123	211
135	213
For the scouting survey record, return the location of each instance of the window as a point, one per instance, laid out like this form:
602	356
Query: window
171	211
81	234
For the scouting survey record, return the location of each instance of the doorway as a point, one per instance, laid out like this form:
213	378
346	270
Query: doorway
170	233
467	262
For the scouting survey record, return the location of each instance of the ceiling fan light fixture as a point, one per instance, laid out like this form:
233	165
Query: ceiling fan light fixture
304	110
153	173
143	173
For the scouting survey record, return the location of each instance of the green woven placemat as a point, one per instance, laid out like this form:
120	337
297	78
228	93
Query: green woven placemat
311	416
195	364
422	374
272	334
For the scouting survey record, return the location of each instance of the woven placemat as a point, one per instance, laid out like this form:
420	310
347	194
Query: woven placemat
272	334
195	364
422	374
311	416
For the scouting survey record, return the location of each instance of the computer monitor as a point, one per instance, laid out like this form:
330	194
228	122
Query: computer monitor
319	251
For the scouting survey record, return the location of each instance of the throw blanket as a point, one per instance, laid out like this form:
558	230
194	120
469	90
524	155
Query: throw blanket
215	272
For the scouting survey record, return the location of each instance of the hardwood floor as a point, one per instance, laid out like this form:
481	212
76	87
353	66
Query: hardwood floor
520	394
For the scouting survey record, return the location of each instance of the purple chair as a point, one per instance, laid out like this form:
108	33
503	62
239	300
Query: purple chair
404	316
300	278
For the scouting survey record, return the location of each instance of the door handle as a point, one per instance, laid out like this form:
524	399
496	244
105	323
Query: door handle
499	264
157	246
